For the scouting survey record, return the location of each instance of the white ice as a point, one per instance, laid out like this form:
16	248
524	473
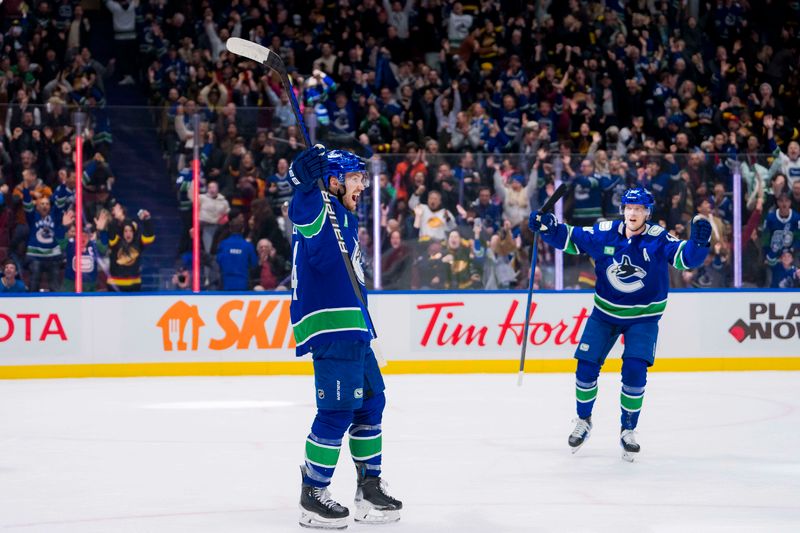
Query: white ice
465	453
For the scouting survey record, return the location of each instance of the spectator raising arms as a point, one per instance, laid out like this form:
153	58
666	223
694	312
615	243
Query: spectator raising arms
127	242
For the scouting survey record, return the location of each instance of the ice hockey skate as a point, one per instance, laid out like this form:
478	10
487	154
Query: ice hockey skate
579	435
373	504
630	449
318	510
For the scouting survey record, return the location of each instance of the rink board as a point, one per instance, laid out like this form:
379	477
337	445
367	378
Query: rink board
423	332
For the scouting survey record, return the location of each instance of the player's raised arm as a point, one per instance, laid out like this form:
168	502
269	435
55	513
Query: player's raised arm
689	254
572	239
307	210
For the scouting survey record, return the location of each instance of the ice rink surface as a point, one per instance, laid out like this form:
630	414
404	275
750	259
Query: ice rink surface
465	453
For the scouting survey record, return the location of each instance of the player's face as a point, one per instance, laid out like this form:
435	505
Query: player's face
635	216
354	185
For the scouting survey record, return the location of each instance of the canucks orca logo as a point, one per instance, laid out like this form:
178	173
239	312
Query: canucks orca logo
358	268
625	276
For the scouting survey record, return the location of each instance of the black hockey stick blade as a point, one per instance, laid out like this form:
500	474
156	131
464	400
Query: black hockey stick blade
551	202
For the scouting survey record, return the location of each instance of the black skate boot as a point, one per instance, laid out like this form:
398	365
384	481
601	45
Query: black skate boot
630	449
579	435
318	510
373	504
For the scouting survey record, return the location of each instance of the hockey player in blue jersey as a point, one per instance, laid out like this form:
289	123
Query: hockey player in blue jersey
631	262
328	322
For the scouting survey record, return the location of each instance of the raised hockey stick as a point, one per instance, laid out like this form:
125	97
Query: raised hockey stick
268	58
548	206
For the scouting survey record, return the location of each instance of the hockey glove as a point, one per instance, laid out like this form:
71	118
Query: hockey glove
701	231
309	166
543	222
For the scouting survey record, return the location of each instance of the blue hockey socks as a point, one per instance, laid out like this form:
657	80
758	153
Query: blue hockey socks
586	387
366	438
323	445
634	378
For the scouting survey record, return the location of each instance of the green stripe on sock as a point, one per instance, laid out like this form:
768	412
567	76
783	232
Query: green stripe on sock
321	455
362	449
631	403
585	395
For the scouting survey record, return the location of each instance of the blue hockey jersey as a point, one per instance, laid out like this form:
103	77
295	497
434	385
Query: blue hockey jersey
780	233
324	307
632	273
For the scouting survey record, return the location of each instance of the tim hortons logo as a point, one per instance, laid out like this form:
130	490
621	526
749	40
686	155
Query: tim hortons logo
767	321
240	325
445	328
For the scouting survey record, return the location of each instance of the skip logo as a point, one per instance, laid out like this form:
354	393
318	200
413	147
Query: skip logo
767	321
320	394
358	393
625	276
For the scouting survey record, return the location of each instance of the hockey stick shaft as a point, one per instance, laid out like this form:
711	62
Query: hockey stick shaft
270	59
547	207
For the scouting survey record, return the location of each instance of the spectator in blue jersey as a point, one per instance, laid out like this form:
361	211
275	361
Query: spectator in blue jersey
278	186
95	246
489	213
785	274
43	256
9	282
236	257
781	230
587	194
342	114
631	263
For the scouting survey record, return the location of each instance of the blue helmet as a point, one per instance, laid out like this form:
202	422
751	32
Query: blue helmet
342	162
637	196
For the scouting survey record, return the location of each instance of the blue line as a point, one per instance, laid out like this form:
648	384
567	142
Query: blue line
509	292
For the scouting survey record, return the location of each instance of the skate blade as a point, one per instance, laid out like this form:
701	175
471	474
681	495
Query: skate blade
629	456
367	514
314	521
579	446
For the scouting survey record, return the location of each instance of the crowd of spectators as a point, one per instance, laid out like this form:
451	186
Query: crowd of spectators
49	84
476	108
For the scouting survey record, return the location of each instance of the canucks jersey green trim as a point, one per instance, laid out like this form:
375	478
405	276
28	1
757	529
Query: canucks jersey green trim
311	229
321	454
363	448
570	247
631	403
630	311
678	261
329	320
36	251
587	212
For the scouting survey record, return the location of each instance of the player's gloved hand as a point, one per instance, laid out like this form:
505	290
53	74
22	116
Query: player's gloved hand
542	222
701	231
309	166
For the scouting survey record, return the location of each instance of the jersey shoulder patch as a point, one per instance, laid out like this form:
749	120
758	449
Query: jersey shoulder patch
655	230
605	225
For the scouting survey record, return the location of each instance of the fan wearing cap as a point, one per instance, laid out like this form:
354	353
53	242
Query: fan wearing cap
328	322
632	259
